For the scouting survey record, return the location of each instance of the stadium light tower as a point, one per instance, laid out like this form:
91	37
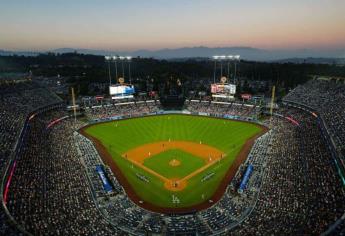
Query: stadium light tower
215	58
115	61
108	59
129	68
230	58
123	70
236	58
221	65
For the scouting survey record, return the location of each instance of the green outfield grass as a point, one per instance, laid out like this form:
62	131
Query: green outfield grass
121	136
160	163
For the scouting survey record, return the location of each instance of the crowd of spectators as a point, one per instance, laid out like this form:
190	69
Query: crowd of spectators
128	109
223	108
50	193
328	99
17	100
55	190
301	192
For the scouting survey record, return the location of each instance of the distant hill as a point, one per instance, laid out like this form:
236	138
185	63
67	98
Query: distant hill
247	53
19	53
312	60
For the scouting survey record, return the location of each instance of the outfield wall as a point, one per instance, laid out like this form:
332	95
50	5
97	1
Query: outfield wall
183	112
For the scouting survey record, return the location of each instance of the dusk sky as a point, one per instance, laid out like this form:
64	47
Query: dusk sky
155	24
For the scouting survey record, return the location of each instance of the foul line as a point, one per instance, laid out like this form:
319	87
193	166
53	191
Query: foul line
199	170
149	170
166	180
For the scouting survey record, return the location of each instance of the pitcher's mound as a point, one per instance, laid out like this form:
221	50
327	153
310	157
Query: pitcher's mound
174	162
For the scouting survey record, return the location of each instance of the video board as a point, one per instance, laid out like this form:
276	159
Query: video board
121	90
223	88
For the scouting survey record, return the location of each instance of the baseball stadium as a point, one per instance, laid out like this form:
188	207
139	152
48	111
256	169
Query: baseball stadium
157	161
172	118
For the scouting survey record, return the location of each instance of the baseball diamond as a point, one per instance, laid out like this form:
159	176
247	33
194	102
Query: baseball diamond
175	153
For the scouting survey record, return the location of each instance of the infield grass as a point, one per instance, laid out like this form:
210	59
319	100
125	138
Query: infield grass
160	163
121	136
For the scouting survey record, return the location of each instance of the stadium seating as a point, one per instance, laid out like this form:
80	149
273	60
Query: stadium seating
294	188
17	101
221	109
327	98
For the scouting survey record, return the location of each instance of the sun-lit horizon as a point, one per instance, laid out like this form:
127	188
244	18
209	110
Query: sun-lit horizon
133	25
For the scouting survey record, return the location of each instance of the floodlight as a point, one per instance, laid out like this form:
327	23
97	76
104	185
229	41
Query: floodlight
237	57
215	57
128	58
231	57
121	58
114	57
107	58
222	57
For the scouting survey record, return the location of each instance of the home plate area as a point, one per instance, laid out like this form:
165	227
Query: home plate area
174	162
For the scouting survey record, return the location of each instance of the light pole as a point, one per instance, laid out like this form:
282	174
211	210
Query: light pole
221	58
129	68
108	59
123	70
215	58
115	61
237	58
230	58
221	69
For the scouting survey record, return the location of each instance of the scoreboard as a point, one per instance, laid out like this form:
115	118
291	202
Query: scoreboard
121	91
225	89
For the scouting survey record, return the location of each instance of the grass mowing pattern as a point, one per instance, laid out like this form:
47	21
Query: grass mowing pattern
121	136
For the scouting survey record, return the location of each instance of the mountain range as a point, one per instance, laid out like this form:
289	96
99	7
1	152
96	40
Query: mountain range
247	53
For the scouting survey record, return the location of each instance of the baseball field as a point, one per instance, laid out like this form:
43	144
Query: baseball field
173	161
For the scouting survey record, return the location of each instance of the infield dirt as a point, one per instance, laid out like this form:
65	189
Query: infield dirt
206	152
209	154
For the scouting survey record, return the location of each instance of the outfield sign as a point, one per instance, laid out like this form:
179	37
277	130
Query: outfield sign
246	96
226	116
122	97
106	185
245	179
